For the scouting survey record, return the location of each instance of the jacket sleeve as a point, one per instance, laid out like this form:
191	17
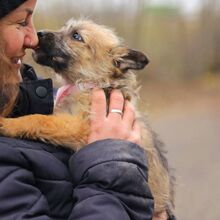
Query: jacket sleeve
110	180
19	197
35	95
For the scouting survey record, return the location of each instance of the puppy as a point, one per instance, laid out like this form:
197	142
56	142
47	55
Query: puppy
87	55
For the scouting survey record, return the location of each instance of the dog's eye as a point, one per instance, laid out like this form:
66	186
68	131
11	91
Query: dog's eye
77	36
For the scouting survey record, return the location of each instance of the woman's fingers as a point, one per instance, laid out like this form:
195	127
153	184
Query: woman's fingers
129	114
98	105
136	133
117	124
116	105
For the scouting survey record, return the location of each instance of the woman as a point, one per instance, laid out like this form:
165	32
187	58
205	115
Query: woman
104	180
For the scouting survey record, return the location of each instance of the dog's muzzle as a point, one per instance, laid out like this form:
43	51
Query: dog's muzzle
51	52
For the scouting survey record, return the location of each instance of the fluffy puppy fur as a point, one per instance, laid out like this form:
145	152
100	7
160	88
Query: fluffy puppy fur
85	55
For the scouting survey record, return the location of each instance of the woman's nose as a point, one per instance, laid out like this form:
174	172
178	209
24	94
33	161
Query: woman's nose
31	40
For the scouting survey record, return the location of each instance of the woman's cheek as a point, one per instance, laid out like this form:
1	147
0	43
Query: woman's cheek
13	44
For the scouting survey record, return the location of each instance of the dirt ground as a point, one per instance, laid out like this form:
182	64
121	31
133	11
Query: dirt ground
187	118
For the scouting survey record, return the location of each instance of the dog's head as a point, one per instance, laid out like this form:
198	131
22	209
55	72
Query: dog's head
83	50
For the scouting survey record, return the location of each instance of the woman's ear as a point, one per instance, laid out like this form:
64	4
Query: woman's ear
125	59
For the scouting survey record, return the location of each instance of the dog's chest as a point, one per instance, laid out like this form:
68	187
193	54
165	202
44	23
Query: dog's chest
74	103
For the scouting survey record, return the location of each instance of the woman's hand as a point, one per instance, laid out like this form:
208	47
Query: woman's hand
114	125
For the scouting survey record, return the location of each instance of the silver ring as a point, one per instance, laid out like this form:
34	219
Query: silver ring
118	111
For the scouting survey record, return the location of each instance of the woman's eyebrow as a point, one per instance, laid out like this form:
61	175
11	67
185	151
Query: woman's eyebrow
29	11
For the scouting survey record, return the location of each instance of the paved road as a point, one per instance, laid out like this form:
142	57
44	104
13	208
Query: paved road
193	141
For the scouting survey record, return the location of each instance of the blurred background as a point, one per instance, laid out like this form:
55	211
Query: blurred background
180	87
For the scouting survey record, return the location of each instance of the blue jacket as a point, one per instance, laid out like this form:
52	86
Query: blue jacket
106	180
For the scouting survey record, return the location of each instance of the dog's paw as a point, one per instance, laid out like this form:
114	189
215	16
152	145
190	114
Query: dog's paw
10	128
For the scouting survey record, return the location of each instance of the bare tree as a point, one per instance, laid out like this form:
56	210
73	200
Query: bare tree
210	33
139	19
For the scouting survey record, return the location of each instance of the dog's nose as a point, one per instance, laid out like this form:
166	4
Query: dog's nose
40	34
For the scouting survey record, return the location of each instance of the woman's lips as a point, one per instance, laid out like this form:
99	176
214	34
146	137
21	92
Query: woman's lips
17	61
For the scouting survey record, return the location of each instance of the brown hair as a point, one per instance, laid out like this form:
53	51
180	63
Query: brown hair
9	83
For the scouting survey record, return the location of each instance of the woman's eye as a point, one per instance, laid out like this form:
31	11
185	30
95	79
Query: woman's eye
23	23
77	36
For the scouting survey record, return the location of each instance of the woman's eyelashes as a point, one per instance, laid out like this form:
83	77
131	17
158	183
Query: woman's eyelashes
23	23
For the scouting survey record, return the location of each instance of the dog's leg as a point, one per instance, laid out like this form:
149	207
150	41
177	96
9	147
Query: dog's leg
158	174
63	129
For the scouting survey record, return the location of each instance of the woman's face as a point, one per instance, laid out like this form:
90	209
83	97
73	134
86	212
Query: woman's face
18	32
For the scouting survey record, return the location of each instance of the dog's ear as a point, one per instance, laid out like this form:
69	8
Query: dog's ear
126	59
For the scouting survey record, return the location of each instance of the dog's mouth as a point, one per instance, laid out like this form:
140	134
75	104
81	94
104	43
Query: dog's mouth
54	59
